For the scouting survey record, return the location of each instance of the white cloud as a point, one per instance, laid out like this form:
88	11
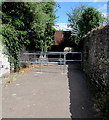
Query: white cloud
103	8
81	0
105	14
62	26
95	0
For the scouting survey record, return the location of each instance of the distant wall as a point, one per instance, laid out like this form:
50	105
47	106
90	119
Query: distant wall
62	39
58	37
61	36
96	57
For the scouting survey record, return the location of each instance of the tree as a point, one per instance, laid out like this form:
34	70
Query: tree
11	41
26	25
90	19
15	27
42	31
73	18
49	31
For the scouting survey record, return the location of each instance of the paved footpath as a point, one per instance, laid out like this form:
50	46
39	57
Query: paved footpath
81	98
53	93
37	95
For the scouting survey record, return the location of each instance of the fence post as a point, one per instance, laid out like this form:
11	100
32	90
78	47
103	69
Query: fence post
41	62
60	62
81	59
64	61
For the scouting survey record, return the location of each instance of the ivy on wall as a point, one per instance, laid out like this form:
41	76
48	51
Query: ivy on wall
12	45
26	25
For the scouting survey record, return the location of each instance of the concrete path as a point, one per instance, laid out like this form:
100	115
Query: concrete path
53	93
37	95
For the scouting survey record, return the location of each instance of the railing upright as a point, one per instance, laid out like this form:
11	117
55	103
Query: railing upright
61	59
64	61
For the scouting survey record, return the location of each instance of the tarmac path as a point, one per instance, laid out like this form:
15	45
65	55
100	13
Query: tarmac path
37	95
81	97
52	93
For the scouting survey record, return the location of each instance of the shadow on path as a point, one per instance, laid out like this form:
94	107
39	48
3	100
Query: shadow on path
81	102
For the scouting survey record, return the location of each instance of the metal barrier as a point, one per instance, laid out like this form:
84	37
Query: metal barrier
50	57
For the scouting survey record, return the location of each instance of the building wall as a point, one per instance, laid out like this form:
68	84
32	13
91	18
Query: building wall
58	37
4	64
62	39
96	57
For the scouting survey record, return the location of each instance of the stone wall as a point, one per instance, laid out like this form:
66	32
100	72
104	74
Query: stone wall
96	57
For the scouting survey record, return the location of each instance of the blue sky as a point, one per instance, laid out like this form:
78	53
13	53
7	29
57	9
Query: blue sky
66	7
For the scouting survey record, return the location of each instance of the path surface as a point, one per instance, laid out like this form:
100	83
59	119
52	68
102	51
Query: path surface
82	105
50	94
37	95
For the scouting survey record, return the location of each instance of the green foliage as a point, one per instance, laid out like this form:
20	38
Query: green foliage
1	46
42	31
26	25
74	17
49	31
91	18
82	20
10	39
14	30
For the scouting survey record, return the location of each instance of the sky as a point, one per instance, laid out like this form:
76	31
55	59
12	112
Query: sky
65	7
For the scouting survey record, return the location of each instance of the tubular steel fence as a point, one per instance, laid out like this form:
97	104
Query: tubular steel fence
51	57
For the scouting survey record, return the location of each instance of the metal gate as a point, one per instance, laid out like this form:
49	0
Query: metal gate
60	58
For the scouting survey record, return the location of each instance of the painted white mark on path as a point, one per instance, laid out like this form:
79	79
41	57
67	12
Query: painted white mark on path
39	72
17	84
13	94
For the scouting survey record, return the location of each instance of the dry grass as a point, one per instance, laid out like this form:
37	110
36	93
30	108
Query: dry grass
11	78
22	70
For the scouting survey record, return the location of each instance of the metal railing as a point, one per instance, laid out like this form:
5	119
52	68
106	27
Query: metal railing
50	57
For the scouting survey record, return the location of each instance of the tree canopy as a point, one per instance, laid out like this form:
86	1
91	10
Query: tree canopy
73	18
82	20
90	18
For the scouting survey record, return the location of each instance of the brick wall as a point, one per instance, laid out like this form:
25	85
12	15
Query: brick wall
62	39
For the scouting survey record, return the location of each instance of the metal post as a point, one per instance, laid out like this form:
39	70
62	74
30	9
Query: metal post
81	59
41	62
64	61
47	60
60	60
